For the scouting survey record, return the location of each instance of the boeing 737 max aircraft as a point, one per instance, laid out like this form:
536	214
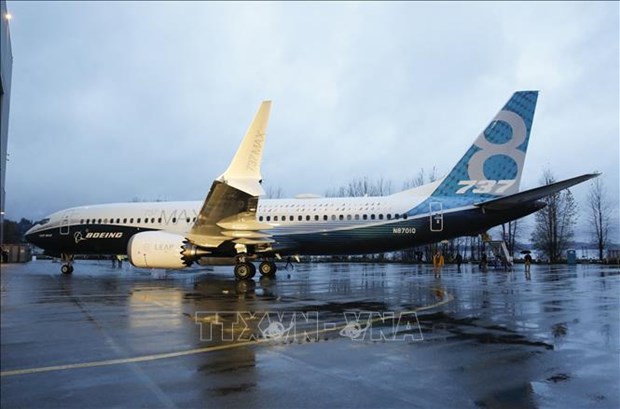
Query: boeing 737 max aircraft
234	223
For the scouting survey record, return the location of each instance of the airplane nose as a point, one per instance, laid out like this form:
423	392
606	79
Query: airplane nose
30	235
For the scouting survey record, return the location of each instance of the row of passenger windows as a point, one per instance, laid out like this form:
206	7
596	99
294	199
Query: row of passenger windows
333	217
300	218
146	220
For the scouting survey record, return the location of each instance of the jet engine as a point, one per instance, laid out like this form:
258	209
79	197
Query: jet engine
158	249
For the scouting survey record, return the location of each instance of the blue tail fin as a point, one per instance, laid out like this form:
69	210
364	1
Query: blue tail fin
492	166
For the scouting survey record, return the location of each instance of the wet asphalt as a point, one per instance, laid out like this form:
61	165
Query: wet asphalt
321	335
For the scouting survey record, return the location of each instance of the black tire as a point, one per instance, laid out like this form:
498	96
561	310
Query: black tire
244	271
267	268
253	268
66	269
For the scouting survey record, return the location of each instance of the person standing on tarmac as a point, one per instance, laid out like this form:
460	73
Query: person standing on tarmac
438	262
528	262
459	261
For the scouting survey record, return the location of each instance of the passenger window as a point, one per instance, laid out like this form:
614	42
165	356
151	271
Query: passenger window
105	221
357	217
365	217
381	217
300	218
396	216
188	220
291	218
118	221
325	217
159	220
348	217
372	217
139	220
341	217
174	220
316	217
125	220
82	221
131	220
146	220
307	218
99	221
268	218
389	216
260	218
333	217
405	216
275	218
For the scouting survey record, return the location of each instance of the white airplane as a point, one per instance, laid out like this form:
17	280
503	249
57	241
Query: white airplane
235	224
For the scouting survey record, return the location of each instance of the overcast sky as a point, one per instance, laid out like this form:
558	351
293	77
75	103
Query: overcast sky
114	101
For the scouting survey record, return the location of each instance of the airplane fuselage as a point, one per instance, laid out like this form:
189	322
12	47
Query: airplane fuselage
321	226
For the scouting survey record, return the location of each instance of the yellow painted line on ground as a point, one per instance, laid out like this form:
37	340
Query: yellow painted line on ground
447	297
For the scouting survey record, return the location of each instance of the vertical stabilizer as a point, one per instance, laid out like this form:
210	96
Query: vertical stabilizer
493	165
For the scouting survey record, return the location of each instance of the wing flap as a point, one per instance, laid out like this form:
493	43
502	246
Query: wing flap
532	195
207	241
244	234
254	241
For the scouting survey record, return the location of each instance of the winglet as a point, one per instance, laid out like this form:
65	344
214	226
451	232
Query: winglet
243	173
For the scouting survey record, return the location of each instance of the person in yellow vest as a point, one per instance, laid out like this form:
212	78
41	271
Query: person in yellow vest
437	263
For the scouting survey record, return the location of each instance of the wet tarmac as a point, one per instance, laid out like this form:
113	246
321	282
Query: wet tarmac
323	335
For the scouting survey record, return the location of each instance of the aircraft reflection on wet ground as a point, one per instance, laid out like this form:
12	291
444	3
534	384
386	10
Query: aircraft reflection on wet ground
107	337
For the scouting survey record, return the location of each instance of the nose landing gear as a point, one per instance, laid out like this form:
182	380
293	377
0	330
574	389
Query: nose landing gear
67	267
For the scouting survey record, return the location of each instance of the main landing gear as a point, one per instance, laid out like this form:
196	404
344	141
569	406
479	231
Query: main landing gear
267	268
244	270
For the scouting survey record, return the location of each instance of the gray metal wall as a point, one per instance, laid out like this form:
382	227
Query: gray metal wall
6	67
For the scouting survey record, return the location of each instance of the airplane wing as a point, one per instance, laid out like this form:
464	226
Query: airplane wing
229	211
531	195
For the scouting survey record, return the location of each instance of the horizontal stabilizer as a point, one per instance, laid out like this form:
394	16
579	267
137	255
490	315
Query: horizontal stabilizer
532	195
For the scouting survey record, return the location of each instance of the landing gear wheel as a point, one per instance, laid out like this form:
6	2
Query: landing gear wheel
66	269
267	269
244	271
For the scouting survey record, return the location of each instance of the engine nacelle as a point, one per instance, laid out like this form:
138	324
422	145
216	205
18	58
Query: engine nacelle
158	249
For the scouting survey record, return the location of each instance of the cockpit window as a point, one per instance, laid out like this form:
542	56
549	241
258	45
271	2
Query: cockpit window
43	221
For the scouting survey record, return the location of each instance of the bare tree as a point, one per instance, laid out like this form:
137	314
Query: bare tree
555	223
360	187
421	178
273	192
599	215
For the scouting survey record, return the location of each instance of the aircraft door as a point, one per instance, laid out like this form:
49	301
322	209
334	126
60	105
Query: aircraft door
436	220
64	224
